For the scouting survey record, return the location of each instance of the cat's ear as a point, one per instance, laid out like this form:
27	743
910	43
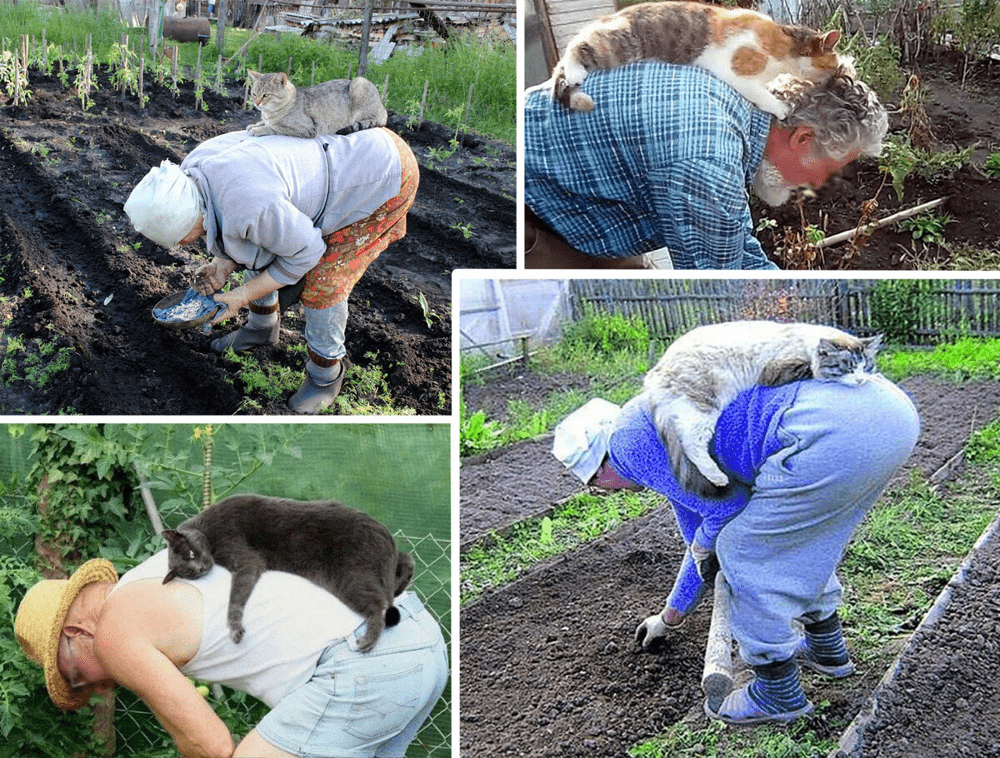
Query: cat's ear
826	347
170	575
283	78
253	75
174	539
872	344
830	40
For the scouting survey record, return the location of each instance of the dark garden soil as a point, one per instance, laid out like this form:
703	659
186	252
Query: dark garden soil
74	274
548	667
958	118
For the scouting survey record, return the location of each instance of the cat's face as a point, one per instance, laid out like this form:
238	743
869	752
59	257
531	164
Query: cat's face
189	556
268	89
851	363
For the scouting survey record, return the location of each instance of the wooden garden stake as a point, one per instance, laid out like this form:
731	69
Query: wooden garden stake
312	78
218	76
836	239
45	51
385	88
197	89
423	101
142	67
289	66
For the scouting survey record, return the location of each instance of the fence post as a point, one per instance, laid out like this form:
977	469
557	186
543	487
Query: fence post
366	30
524	351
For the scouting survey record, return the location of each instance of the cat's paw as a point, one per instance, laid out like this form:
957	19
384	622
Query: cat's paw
236	633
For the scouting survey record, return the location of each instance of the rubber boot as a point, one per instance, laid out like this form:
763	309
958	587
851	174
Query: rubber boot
262	328
775	696
317	392
822	649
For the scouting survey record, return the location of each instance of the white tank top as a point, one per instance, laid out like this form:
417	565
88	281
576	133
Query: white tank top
288	620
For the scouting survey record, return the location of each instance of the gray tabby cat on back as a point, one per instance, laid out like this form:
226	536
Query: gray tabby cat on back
705	369
339	106
344	551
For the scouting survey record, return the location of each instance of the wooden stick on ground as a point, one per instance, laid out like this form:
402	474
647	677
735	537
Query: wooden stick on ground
717	676
836	239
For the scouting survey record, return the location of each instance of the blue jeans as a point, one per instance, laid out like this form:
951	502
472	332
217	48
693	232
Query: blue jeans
361	705
810	459
325	327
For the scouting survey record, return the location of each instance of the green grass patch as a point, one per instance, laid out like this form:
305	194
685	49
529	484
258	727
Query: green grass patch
798	740
366	393
903	555
501	558
489	65
966	358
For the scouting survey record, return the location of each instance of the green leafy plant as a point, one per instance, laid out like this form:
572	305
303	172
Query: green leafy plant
476	433
899	159
928	227
992	165
465	229
898	306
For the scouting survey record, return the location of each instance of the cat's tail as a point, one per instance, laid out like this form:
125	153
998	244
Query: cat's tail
688	475
404	573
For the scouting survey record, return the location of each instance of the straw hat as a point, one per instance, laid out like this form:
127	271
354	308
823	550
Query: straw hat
39	624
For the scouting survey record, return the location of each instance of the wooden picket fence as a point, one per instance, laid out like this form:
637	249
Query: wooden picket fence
939	309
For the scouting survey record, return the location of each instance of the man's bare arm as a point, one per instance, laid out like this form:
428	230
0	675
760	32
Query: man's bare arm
136	664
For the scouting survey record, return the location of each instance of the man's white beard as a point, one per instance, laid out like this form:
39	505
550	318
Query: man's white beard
770	186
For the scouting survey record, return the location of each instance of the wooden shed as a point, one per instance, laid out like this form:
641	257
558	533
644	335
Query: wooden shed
548	27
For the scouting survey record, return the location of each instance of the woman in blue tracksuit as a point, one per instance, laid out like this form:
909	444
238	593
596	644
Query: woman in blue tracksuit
807	461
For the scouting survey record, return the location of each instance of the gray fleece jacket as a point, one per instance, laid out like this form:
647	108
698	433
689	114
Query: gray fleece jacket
269	201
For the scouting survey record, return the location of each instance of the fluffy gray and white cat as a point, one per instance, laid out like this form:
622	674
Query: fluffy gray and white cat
705	369
339	106
344	551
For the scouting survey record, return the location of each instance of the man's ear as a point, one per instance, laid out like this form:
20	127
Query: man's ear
802	137
800	141
72	630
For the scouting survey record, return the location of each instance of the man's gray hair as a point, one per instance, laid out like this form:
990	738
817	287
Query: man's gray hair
844	113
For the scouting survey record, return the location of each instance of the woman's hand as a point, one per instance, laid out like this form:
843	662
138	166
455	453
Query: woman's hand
212	277
253	289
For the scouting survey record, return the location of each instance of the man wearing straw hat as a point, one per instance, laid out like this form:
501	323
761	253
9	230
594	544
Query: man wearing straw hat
304	218
807	461
94	630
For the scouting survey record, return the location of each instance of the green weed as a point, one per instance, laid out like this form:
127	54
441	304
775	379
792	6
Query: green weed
992	165
927	227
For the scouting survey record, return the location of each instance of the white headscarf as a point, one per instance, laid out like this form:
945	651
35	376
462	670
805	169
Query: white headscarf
581	439
165	205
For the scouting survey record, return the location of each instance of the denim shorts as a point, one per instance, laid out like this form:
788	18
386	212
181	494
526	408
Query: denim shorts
361	705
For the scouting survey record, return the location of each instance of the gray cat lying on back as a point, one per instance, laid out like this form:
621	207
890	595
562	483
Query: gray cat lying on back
339	106
344	551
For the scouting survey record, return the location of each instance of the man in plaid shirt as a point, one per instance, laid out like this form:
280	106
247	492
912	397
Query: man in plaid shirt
665	159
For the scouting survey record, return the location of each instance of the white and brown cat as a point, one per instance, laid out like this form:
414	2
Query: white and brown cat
704	369
339	106
745	49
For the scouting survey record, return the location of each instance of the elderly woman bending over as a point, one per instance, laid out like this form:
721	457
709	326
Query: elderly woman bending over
304	217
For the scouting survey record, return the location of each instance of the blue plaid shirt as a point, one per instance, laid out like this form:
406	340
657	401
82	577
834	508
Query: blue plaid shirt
664	159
